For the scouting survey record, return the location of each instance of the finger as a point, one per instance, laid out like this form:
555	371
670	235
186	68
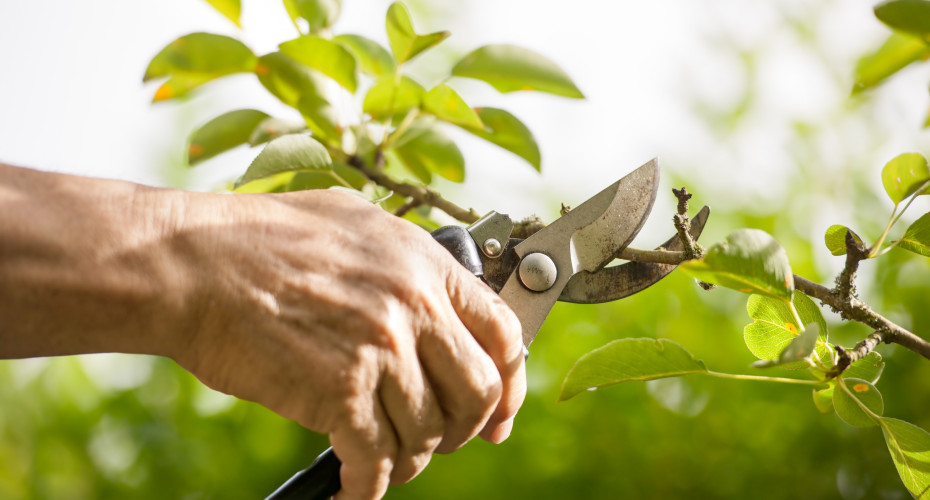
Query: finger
413	412
463	377
497	329
366	447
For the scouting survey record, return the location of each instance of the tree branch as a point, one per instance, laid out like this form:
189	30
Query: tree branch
841	299
851	308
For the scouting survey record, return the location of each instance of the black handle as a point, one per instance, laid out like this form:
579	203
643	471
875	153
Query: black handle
317	482
321	480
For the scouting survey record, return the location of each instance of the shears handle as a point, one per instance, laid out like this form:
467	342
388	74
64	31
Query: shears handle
321	480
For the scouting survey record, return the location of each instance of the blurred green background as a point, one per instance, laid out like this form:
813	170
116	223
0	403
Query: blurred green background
758	123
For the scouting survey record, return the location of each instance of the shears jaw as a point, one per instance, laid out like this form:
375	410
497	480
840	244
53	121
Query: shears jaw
616	222
614	283
586	238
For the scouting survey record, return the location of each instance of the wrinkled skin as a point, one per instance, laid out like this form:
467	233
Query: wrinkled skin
317	305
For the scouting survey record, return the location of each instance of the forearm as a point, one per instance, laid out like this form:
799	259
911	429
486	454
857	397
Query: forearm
85	266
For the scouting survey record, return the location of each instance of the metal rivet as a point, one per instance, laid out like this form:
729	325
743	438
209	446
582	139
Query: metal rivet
492	247
538	272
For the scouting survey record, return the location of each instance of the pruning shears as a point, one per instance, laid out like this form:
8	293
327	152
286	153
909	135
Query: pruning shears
565	261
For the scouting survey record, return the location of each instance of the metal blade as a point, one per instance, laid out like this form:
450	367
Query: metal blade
613	283
586	238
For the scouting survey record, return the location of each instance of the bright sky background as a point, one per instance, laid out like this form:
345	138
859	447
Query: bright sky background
72	100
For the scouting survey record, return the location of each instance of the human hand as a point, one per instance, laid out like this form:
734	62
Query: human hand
352	322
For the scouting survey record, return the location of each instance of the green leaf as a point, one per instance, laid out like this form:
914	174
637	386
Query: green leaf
320	118
629	359
195	59
800	348
340	175
917	237
288	153
272	128
325	56
272	184
898	51
835	239
750	261
909	446
223	133
229	8
405	42
860	405
508	132
509	68
447	105
287	79
868	368
774	326
179	86
904	175
910	16
426	148
372	58
823	399
319	14
395	165
387	100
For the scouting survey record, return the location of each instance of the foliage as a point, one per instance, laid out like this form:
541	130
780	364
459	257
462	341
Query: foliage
401	121
164	435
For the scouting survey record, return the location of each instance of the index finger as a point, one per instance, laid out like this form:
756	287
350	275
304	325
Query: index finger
497	329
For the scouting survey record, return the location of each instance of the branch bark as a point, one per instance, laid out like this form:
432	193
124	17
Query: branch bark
851	308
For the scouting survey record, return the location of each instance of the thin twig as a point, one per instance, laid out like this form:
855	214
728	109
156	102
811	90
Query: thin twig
845	289
421	194
692	249
654	256
861	350
683	225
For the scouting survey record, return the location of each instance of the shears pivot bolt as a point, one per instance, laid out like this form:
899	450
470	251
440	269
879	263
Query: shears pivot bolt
538	272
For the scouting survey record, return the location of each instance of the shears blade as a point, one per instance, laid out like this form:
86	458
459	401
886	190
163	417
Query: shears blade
584	239
613	283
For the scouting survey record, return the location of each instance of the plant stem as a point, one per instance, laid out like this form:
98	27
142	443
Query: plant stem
762	378
914	196
881	239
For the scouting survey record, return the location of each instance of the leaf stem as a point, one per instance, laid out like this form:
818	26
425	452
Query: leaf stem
797	317
881	239
762	378
338	178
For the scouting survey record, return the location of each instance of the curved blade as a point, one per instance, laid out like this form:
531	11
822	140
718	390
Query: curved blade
612	283
584	239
